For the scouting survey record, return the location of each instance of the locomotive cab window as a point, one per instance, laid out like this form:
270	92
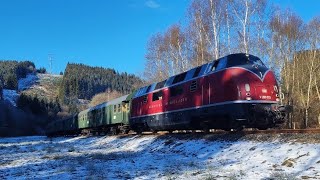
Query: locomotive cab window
176	91
243	59
222	64
114	108
157	96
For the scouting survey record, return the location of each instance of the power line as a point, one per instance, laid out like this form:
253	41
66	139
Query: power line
50	59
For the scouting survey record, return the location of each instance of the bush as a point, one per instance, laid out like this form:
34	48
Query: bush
42	70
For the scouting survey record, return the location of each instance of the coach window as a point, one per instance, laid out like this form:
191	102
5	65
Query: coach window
176	91
114	108
157	96
119	107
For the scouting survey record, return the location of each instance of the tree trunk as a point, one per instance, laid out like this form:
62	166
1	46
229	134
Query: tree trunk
306	120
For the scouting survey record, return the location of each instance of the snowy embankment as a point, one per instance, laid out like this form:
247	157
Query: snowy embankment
24	83
11	96
161	157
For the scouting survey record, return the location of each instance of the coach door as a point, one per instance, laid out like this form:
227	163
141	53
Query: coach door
125	111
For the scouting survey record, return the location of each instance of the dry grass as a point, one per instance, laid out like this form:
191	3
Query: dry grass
46	87
282	176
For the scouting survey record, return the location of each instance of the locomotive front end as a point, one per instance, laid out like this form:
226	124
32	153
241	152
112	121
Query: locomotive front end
258	93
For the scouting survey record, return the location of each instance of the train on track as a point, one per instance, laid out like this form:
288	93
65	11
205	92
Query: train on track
233	92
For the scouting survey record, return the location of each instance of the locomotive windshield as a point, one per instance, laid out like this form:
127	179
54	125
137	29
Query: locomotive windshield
243	59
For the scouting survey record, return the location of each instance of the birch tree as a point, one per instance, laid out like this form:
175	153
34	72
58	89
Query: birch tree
244	12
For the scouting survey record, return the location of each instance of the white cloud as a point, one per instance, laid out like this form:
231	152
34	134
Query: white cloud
152	4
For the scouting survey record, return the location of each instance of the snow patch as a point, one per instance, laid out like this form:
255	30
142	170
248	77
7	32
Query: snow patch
155	157
11	96
25	83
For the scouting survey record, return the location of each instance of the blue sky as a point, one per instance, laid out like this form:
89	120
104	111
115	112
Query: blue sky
107	33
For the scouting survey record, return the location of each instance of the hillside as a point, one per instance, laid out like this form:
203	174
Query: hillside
40	85
83	82
226	156
44	86
12	71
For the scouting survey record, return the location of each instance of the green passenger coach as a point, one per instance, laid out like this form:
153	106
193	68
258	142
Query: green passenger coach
111	117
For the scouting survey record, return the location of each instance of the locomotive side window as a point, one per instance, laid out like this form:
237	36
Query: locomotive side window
176	91
157	96
214	66
148	89
196	72
179	78
160	84
193	86
145	99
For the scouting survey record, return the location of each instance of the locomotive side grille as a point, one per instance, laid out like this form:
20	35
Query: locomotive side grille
193	86
145	99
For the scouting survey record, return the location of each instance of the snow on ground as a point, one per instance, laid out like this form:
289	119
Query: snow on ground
160	157
25	83
31	81
10	95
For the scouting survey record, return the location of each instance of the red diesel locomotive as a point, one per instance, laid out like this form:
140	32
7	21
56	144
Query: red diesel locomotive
232	92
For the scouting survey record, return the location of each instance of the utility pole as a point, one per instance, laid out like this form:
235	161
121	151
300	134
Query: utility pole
50	59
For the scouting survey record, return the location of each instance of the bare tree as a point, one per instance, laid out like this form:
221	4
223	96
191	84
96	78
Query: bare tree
198	32
245	11
312	65
157	64
104	97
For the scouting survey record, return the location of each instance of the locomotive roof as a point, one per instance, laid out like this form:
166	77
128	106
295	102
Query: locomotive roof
118	100
202	70
84	112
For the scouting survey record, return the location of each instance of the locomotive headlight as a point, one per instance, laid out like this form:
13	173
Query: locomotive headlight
247	87
277	99
264	90
248	98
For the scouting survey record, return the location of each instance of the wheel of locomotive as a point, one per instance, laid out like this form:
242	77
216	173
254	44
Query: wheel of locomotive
239	128
262	128
154	131
138	131
205	127
227	129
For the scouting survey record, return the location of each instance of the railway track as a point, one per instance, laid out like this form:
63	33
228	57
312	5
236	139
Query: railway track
247	131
